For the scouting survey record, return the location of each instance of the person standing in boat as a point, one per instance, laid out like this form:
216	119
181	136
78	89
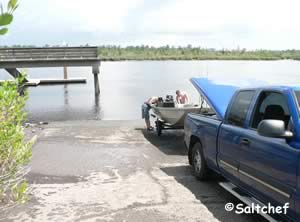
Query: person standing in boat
146	109
182	97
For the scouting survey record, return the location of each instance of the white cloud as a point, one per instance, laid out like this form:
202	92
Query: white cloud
229	22
207	16
213	23
87	16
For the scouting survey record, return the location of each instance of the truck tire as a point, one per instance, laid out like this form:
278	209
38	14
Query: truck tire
200	168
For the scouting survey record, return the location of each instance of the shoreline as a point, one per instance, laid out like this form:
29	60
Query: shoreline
196	59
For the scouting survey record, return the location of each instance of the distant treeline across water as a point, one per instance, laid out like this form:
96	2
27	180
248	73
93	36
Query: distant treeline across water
144	52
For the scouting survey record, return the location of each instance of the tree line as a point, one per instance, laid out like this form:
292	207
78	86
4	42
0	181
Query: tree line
189	52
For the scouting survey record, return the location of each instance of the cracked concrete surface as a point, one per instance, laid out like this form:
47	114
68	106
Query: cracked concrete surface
116	171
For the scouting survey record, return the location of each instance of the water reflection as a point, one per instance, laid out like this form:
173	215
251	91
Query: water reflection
97	107
66	95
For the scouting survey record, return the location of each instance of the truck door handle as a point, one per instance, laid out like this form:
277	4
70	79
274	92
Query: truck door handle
245	142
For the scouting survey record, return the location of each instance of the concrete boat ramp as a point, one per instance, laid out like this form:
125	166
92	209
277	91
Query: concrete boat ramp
116	171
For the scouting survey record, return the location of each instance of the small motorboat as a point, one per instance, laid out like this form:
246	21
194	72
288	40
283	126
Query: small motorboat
175	115
171	116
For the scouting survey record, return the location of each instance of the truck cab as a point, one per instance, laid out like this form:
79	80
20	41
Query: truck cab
253	141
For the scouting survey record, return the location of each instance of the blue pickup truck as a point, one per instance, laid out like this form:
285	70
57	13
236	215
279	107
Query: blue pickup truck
252	138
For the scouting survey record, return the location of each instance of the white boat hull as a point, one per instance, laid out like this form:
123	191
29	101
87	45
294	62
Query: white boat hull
175	115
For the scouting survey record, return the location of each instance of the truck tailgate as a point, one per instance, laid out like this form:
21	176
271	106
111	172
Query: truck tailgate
204	129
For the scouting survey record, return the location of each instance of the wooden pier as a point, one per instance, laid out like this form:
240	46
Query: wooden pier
13	58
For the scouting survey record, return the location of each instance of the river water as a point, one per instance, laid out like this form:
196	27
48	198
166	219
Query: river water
125	85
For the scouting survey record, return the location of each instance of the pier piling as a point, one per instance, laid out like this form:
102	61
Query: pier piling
96	79
65	72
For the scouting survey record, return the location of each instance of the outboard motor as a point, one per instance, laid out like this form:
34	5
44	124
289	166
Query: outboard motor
168	102
169	98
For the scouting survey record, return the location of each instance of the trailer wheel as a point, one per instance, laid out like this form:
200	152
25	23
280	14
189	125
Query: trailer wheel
200	168
159	127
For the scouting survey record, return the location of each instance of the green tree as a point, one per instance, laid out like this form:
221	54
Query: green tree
6	15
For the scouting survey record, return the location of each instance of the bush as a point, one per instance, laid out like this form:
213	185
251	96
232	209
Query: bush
15	154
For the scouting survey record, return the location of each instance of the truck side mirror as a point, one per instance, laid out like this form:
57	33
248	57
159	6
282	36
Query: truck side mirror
273	128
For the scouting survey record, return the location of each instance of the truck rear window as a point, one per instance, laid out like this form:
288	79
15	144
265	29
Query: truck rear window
297	93
239	109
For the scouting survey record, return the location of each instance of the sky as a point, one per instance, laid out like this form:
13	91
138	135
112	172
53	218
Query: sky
231	24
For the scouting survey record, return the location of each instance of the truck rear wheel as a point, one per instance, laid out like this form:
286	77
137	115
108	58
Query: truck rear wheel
200	168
